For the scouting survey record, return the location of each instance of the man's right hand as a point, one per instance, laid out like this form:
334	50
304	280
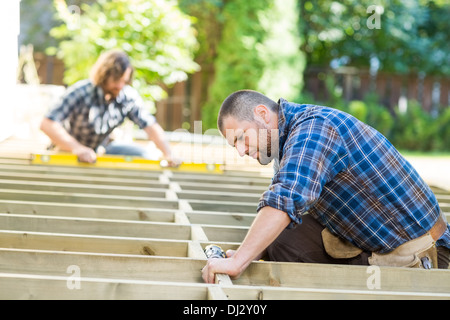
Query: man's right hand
85	154
65	142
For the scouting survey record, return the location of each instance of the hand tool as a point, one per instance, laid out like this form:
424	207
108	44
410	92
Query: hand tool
215	252
121	162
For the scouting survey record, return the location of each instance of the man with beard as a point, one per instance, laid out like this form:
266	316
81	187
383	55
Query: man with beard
82	121
341	193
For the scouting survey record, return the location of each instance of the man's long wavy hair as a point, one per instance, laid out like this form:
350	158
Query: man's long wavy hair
113	64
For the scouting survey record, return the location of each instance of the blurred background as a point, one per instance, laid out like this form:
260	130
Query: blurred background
387	62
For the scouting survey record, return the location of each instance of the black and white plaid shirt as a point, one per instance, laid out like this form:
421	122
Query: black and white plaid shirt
90	119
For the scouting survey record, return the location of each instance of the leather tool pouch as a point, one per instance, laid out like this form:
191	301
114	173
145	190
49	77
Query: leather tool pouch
338	248
411	254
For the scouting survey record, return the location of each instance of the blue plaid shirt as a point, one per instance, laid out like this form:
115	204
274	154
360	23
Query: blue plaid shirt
349	177
90	119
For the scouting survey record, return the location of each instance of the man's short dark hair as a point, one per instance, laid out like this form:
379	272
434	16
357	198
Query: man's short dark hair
240	105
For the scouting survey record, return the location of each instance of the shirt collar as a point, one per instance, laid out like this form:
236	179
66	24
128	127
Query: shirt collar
101	96
288	113
282	118
282	126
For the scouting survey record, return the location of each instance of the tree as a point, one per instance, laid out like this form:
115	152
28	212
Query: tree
259	49
412	36
157	36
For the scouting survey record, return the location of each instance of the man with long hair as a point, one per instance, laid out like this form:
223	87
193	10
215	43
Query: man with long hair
86	115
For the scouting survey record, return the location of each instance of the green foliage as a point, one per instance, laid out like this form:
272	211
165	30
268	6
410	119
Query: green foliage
417	130
377	115
413	35
372	113
414	129
208	24
237	65
157	36
258	50
283	61
443	131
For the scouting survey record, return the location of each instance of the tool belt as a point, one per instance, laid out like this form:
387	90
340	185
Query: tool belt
417	253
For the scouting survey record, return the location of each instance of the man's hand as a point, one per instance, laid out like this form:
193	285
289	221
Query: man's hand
65	142
170	163
85	154
266	227
174	162
227	266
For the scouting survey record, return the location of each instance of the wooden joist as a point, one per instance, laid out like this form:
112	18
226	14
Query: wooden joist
343	277
185	273
25	286
93	243
140	235
69	225
48	287
87	210
178	269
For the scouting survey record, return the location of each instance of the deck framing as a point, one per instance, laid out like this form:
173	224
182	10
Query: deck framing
140	235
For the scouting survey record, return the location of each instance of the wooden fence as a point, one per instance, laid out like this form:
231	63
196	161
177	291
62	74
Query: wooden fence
183	105
430	91
185	99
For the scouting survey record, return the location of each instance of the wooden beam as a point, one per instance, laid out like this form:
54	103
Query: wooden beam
224	179
89	226
344	277
93	265
107	244
196	251
105	189
93	243
220	218
74	171
50	287
218	196
138	234
97	199
87	211
14	161
223	206
87	179
270	293
225	234
444	198
222	187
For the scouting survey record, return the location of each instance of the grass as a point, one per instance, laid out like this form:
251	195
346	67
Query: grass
432	154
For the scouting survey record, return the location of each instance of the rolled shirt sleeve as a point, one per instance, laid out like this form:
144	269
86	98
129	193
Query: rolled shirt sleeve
136	110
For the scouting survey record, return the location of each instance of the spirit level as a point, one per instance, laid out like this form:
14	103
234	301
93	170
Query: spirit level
122	162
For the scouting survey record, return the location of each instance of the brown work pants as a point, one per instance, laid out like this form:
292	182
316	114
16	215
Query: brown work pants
304	244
